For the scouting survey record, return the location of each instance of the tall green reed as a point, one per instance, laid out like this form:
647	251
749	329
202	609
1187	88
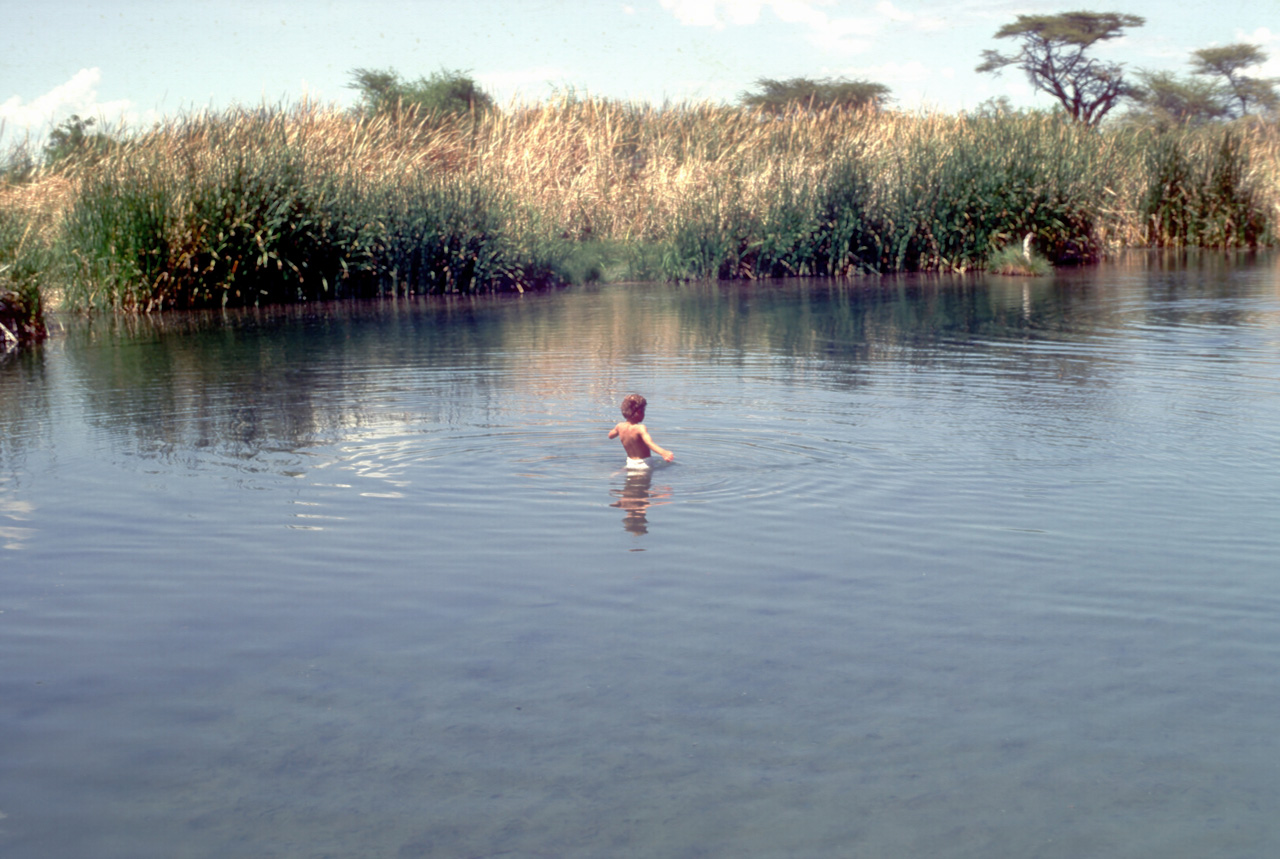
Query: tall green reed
432	234
938	196
114	248
249	207
22	265
1201	191
241	211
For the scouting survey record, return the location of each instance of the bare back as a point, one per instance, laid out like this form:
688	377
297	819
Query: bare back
635	439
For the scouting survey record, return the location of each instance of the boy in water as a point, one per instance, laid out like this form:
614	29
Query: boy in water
635	438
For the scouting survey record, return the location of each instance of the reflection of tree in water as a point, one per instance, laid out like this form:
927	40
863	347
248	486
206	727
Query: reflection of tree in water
173	387
243	383
636	497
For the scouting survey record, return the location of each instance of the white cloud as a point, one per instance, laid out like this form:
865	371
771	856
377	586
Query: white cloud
843	36
76	94
891	73
741	13
930	25
892	13
534	82
835	35
1260	36
911	82
1269	41
79	96
888	10
714	13
800	12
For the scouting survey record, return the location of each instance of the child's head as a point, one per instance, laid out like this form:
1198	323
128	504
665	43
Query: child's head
633	408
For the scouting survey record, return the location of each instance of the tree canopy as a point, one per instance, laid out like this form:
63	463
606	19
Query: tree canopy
444	92
1053	52
1216	89
778	97
1163	98
1228	62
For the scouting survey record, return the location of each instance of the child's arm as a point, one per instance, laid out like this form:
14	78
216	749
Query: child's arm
655	447
613	433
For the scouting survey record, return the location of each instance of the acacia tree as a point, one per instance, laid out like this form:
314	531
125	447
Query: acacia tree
777	97
1053	51
1164	99
1227	62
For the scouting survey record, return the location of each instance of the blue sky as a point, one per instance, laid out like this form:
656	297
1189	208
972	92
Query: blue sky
137	61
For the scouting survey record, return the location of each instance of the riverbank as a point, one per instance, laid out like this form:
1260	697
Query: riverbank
300	203
22	268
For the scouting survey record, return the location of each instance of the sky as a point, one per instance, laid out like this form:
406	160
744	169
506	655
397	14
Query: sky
134	62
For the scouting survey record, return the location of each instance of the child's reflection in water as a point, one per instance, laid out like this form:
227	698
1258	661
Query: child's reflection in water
636	497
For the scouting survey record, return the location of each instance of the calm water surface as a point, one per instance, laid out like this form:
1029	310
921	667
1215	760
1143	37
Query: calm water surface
944	567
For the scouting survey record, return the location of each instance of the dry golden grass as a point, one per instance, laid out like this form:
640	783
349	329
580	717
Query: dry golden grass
722	190
40	202
593	168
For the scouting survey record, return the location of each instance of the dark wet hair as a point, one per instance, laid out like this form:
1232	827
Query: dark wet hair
633	407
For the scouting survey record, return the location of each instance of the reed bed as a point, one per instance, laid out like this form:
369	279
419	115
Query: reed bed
306	203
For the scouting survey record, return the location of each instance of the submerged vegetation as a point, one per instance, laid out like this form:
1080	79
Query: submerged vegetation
1012	259
304	203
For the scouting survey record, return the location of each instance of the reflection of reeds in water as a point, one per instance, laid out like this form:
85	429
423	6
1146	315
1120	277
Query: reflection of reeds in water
14	537
262	387
246	207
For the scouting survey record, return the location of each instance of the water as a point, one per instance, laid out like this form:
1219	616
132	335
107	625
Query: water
944	567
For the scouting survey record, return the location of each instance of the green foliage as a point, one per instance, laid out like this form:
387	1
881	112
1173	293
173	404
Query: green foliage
439	235
845	241
1016	260
603	260
261	206
1216	90
114	248
712	242
953	200
379	90
22	264
1165	100
255	222
777	97
1201	193
929	200
1053	53
446	92
17	166
1240	90
73	141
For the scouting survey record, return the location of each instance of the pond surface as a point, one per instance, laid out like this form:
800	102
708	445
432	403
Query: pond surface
962	567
